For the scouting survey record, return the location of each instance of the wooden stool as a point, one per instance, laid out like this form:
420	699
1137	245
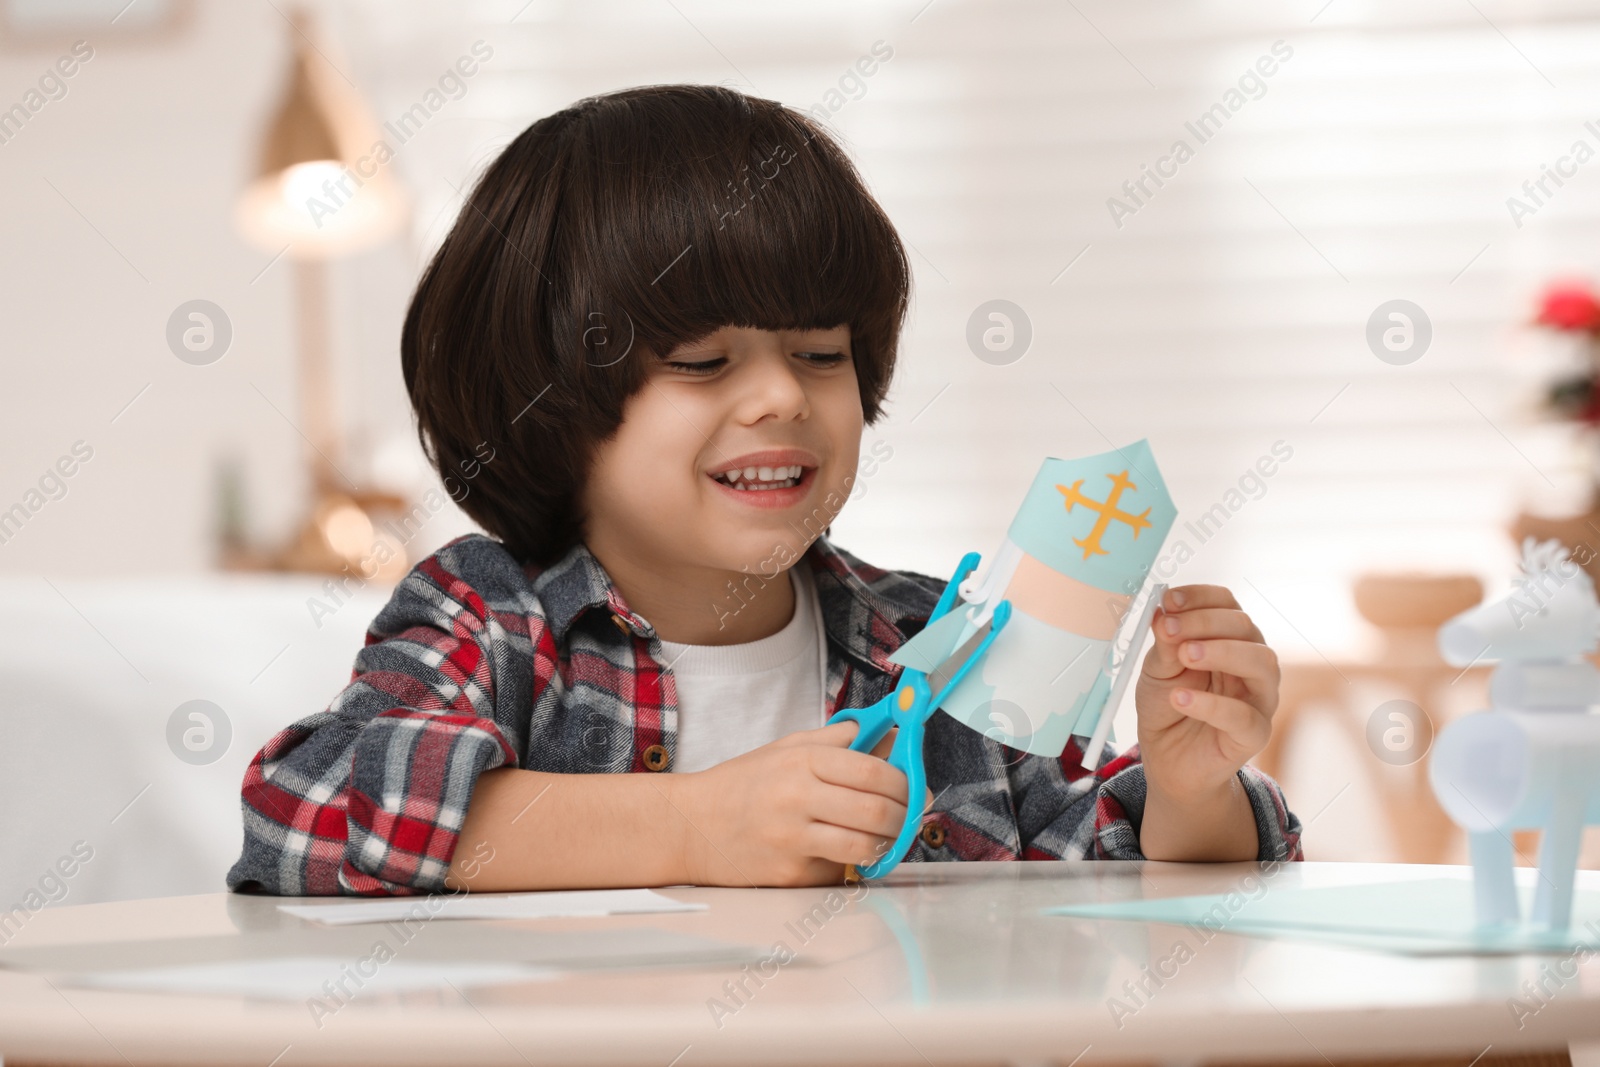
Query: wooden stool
1408	608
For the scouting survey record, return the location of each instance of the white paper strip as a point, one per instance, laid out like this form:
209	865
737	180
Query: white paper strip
556	904
1125	669
302	977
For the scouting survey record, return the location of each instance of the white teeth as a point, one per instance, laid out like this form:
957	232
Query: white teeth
760	478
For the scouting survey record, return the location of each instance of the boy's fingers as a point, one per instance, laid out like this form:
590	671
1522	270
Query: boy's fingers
883	747
859	771
1242	723
1189	597
1254	664
1162	661
852	809
836	735
1207	622
835	843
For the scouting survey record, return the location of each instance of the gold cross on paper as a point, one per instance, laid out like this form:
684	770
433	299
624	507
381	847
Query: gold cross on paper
1107	509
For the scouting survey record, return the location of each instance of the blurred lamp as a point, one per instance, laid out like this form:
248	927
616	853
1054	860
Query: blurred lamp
322	189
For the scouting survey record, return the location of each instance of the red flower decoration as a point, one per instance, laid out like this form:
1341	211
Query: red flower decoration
1570	306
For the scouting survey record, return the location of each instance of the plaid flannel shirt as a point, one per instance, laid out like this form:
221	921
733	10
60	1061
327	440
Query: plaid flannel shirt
477	662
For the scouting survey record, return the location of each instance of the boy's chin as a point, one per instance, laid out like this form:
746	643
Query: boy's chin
759	553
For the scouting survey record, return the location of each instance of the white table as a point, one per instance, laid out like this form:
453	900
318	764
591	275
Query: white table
940	964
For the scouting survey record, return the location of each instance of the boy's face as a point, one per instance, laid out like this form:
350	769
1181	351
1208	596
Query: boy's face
737	451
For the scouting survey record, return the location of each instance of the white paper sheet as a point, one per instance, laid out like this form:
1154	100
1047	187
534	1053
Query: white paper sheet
556	904
300	977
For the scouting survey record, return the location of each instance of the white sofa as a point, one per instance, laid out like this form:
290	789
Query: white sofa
92	671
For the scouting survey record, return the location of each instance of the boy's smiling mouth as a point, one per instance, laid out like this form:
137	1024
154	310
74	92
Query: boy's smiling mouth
761	478
772	479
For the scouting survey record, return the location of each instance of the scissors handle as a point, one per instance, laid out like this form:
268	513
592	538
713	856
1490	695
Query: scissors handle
916	704
872	722
907	755
907	707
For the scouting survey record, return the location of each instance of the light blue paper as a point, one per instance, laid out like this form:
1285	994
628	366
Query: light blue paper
1001	698
929	649
1100	519
1430	916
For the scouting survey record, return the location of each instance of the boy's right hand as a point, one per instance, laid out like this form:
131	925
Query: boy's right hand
791	813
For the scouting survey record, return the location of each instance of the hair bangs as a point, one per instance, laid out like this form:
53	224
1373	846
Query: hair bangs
738	221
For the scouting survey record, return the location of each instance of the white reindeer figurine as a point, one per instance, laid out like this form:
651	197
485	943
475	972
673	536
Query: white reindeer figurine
1533	760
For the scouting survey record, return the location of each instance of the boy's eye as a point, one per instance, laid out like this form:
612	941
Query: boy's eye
706	366
711	366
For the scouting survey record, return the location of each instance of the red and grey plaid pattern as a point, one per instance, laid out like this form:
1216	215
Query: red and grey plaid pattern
477	662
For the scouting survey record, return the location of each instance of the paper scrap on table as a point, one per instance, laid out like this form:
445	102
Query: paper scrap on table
1077	553
555	904
303	977
1429	916
567	947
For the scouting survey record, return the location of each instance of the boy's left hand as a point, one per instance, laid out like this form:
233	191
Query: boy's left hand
1219	661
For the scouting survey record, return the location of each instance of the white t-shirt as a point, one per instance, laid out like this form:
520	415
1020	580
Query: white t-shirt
735	698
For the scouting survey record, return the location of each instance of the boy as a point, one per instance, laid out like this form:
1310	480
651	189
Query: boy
652	340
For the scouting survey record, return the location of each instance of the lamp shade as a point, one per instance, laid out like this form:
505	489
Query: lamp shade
322	184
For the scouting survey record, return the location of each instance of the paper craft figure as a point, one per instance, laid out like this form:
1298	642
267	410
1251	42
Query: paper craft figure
1077	553
1028	656
1060	587
1533	761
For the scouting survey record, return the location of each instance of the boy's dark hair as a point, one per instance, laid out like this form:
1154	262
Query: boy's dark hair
608	234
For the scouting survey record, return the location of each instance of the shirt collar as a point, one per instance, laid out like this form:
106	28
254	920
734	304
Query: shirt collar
864	608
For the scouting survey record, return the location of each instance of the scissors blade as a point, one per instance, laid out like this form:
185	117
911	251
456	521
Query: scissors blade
945	671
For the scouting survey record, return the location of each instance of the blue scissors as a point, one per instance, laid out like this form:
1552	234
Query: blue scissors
908	708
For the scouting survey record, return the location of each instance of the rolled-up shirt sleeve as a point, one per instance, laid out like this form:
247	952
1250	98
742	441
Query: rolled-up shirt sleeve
1066	811
369	795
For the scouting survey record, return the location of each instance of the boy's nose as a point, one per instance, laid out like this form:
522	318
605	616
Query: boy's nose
774	390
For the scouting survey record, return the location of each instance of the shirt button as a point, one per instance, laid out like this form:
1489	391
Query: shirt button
932	835
622	624
655	758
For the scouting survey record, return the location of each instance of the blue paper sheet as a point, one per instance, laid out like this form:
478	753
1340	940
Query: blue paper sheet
1430	916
